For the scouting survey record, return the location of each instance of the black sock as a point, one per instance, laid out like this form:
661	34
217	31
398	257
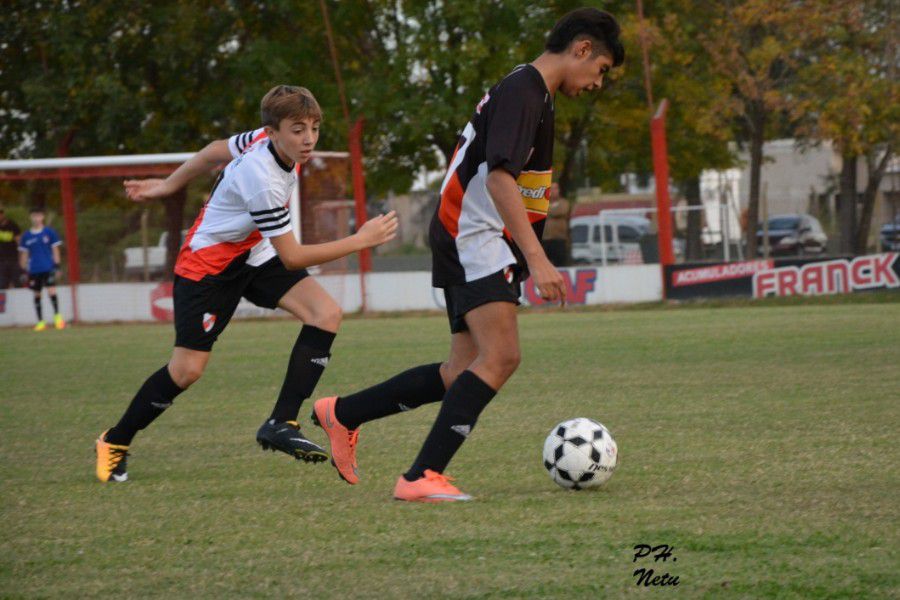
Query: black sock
462	404
406	391
155	396
308	360
38	308
55	304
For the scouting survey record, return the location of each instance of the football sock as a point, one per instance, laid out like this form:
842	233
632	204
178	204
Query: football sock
308	360
406	391
38	308
154	397
55	304
462	404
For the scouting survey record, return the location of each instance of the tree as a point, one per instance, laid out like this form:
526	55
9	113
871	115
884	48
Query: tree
754	45
850	94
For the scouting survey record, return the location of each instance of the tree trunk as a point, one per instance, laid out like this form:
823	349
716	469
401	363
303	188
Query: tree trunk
174	219
571	144
875	172
847	199
757	137
694	249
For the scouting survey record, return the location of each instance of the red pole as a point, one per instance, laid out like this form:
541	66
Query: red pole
68	207
661	175
359	197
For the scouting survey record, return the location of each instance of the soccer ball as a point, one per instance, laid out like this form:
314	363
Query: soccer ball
580	453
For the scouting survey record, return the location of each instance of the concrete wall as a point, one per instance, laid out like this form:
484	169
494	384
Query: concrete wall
149	302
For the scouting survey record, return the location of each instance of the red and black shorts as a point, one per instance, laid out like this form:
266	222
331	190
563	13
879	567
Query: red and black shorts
204	308
502	286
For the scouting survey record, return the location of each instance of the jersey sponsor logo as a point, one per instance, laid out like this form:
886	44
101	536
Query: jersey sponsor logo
209	321
534	186
829	277
720	272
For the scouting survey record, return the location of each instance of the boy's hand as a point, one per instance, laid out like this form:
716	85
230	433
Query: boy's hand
141	190
379	230
550	284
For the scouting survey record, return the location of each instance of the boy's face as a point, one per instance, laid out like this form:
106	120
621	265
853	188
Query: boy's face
584	71
295	138
37	219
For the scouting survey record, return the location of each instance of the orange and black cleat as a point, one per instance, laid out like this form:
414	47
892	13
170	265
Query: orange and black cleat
111	461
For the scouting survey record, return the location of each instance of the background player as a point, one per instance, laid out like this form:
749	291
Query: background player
9	253
39	257
485	237
242	245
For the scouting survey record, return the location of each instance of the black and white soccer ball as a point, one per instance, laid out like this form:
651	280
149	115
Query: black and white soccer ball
580	453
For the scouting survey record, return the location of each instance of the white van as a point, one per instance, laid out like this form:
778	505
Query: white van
621	237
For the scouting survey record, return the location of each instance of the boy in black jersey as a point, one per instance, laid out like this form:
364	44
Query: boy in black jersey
485	238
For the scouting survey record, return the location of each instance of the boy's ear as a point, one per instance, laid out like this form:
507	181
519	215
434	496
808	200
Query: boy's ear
582	48
269	130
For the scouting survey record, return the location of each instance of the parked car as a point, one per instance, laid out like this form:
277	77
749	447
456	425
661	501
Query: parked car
794	234
890	235
621	237
156	256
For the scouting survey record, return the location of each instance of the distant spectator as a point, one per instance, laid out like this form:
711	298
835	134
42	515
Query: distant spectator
556	229
39	255
9	260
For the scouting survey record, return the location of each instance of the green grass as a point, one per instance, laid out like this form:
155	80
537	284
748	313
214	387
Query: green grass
760	441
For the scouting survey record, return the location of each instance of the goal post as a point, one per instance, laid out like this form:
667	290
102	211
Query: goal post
320	206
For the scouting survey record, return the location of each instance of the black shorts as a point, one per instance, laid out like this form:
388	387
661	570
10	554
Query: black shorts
203	308
502	286
38	281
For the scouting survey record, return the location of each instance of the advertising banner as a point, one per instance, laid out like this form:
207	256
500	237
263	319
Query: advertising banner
784	277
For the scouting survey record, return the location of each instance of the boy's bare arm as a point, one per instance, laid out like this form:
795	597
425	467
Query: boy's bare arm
215	153
505	192
374	232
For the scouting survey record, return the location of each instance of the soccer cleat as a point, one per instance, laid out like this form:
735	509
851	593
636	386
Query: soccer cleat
58	321
287	438
432	487
41	325
343	441
112	460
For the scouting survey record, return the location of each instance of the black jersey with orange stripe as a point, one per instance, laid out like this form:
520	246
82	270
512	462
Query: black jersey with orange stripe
512	129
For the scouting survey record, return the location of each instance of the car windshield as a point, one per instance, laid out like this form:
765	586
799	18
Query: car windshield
784	223
579	234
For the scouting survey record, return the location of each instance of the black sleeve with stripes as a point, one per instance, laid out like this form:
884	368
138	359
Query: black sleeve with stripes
271	219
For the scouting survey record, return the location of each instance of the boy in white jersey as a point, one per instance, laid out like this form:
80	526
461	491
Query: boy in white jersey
242	245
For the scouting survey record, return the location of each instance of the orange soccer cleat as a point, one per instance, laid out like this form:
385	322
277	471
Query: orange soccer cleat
111	461
343	441
432	487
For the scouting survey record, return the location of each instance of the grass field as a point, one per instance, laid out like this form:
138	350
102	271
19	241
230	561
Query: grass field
761	442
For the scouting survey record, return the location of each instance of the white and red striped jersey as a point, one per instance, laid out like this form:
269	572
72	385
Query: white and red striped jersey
248	205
